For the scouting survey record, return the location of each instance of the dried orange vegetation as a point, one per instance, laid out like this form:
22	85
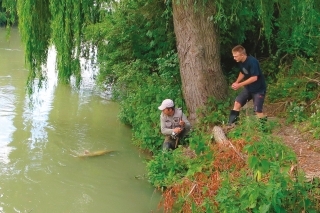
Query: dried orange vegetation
204	185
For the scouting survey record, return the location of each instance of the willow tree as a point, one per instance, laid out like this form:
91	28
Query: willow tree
199	53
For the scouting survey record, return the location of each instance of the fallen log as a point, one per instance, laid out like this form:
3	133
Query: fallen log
219	135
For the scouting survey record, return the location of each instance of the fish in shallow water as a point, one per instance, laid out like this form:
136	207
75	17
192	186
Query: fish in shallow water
94	154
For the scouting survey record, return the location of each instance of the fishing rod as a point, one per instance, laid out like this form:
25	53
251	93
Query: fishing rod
177	137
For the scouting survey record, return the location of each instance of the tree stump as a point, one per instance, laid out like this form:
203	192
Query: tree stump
219	135
221	138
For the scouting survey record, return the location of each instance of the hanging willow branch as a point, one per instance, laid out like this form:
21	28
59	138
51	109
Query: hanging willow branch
35	34
43	23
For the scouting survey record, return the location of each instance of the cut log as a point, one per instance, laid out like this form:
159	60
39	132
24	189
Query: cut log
221	138
219	135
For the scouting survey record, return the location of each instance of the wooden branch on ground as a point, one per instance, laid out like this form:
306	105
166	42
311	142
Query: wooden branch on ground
313	80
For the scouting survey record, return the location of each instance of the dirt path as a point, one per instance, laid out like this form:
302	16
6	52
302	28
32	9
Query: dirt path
306	148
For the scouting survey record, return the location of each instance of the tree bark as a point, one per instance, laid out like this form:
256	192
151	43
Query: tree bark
199	54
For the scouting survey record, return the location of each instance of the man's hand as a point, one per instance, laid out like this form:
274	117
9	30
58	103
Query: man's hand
177	130
181	123
235	86
250	80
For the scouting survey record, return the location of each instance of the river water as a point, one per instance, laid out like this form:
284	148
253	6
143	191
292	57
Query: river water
39	168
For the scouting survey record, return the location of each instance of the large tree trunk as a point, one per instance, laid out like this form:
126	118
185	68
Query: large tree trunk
199	54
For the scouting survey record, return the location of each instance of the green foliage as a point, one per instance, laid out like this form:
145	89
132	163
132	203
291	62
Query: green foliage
267	153
296	87
140	108
214	113
44	23
270	184
234	18
250	126
313	123
298	27
35	35
278	28
167	168
280	193
270	69
198	142
296	112
270	181
3	18
291	89
8	12
136	53
68	20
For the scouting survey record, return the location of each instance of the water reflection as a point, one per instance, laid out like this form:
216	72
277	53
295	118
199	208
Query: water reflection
36	113
7	114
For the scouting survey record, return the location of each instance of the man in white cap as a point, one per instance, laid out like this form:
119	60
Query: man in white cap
174	124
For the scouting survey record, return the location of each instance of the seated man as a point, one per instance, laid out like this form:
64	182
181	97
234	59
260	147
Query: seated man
174	124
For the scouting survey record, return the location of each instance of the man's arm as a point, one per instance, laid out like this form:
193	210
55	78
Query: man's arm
185	123
249	81
240	77
164	129
235	84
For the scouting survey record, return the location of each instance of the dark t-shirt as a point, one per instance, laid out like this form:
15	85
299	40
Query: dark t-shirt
250	67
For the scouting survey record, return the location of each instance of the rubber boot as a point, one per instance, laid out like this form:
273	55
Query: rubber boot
233	117
168	145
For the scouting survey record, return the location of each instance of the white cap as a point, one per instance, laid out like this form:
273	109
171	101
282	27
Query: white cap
167	103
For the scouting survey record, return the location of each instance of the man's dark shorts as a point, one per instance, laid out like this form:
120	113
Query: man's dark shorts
258	99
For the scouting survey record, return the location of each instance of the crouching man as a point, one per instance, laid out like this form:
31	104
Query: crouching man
174	124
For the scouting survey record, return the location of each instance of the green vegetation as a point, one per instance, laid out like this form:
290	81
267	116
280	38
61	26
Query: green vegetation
136	53
141	61
136	49
263	178
8	13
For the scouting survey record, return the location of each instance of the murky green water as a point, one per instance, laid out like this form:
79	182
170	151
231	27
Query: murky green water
39	172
